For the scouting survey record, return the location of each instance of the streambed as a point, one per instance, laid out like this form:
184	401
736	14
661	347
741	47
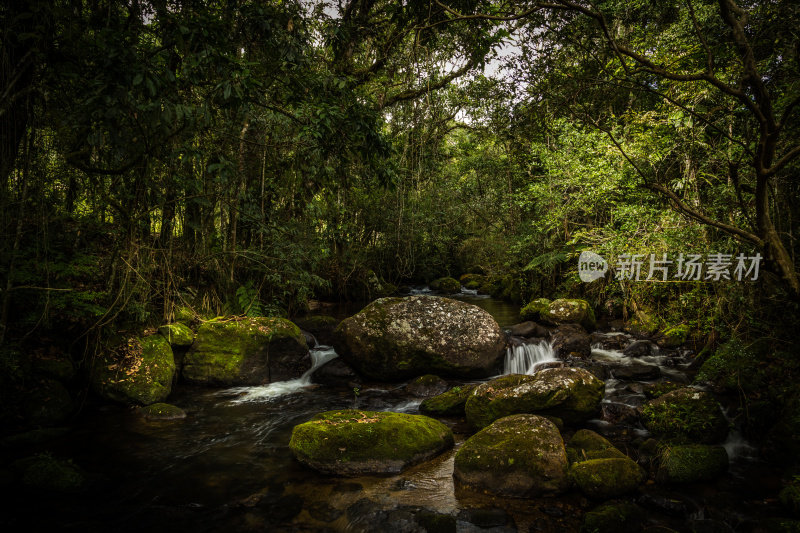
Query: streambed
227	466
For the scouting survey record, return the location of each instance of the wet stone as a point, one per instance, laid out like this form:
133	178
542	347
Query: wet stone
323	511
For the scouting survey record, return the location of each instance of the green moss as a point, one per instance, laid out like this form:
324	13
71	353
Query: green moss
606	478
177	334
790	496
446	285
654	390
686	415
184	314
585	444
614	517
572	394
674	336
138	372
44	472
450	403
221	349
693	462
534	310
519	455
352	441
472	278
473	285
162	411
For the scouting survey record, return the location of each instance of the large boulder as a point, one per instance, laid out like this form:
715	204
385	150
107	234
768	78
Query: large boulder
446	285
450	403
692	462
686	415
352	442
571	394
571	311
520	456
396	338
586	445
140	371
252	351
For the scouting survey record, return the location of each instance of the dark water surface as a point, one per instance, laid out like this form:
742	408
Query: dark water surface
227	467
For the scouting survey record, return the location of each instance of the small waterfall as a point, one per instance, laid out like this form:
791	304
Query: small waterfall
320	355
525	359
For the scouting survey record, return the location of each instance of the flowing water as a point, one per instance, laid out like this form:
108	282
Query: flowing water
227	466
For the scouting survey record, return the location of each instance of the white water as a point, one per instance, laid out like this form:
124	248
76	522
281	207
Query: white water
319	356
525	359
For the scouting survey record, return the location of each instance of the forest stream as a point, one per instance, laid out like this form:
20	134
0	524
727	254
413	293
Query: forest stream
227	465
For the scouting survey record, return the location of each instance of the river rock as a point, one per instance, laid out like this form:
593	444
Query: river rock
446	285
535	310
426	386
352	442
140	371
520	456
571	311
571	339
608	342
450	403
686	415
586	444
177	334
637	372
528	329
251	351
336	373
396	338
571	394
691	463
639	348
162	411
606	478
614	517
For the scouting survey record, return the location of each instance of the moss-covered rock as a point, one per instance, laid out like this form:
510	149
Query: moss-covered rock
520	456
572	394
466	279
184	314
654	390
426	386
535	309
450	403
396	338
473	285
585	444
692	462
614	517
140	371
606	477
162	411
352	442
446	285
674	336
686	415
47	402
252	351
45	472
177	334
571	311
